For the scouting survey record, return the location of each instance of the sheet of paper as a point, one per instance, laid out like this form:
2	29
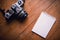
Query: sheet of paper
44	24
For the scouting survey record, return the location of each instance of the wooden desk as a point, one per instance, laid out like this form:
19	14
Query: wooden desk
22	31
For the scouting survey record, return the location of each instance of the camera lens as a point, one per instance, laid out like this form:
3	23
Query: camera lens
22	15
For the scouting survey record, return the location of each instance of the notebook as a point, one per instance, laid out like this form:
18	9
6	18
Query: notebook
44	24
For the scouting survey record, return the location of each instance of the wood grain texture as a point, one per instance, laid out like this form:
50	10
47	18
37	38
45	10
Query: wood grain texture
22	31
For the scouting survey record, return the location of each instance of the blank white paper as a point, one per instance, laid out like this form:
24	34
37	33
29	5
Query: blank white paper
44	24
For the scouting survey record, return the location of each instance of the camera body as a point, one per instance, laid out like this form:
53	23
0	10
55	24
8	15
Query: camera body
16	11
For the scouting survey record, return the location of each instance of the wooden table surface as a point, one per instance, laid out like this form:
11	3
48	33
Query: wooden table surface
22	31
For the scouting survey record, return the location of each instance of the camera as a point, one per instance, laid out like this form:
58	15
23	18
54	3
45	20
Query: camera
16	12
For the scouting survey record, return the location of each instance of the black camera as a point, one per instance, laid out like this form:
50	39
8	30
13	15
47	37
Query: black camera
16	12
